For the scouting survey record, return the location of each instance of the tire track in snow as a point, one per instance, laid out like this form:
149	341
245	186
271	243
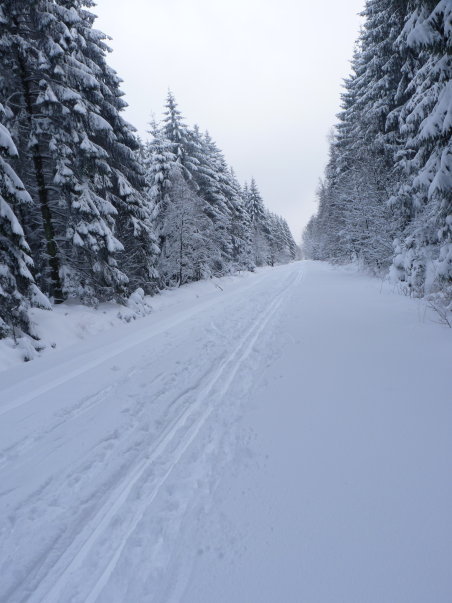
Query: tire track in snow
75	555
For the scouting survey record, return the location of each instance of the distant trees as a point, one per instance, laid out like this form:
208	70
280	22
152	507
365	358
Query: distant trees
386	198
205	223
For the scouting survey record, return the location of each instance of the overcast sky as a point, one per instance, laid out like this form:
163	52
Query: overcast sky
263	76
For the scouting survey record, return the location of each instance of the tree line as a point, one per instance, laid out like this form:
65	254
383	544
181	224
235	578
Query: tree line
89	211
386	196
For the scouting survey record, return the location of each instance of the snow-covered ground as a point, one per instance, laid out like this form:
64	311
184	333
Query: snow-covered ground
283	438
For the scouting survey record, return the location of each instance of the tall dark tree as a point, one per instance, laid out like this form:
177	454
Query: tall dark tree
18	290
85	177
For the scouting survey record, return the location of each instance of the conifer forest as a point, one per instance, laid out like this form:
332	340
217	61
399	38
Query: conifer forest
385	199
88	210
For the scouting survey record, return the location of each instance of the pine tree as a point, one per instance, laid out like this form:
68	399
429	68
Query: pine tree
387	189
290	246
355	221
175	130
86	174
213	181
256	211
124	184
188	250
31	103
18	290
240	228
160	164
424	258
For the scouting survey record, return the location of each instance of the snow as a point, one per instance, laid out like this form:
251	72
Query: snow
71	323
98	122
6	143
278	436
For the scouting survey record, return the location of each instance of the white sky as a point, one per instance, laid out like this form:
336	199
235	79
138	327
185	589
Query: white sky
263	76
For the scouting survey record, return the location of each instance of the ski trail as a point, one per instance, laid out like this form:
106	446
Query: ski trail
75	555
241	356
103	355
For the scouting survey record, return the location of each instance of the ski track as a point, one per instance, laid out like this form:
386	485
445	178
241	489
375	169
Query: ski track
263	444
185	415
97	358
239	355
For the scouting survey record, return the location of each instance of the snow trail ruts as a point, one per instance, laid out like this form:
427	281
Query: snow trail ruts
100	356
10	454
261	451
189	422
242	351
85	468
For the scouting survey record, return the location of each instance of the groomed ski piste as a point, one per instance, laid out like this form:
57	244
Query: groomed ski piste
283	436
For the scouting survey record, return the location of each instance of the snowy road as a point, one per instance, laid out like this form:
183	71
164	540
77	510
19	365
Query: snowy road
284	440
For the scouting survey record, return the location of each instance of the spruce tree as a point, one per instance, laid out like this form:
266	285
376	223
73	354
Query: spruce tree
187	230
240	228
214	185
32	110
18	290
386	195
175	130
424	261
160	163
256	211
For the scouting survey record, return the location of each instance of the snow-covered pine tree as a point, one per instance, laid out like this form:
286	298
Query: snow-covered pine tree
188	234
381	79
394	141
86	174
310	239
256	211
255	203
31	106
213	181
424	255
290	247
275	240
18	290
160	164
175	130
240	228
124	184
354	219
375	98
329	223
183	218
